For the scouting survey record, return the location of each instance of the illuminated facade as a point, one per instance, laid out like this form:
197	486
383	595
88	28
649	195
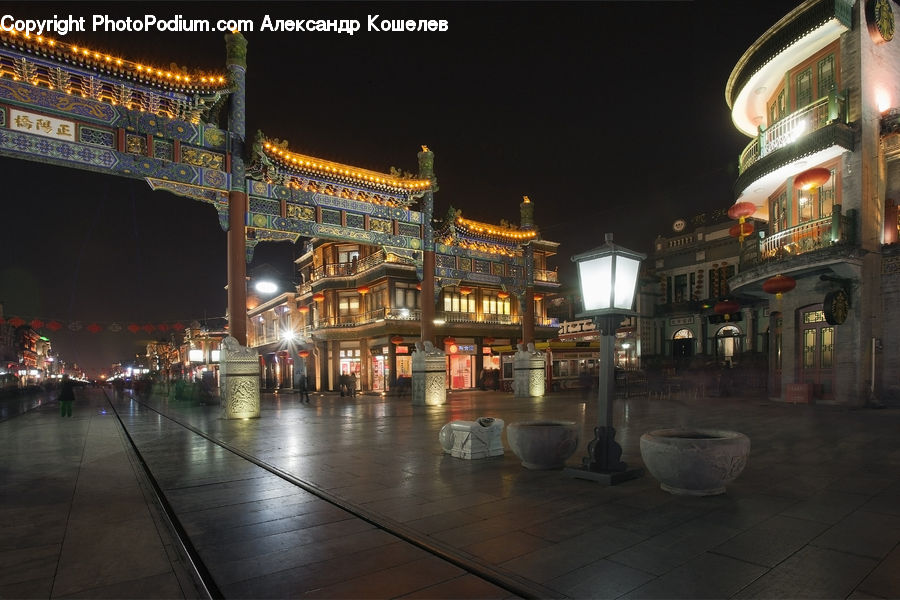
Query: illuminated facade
185	132
687	321
358	307
816	95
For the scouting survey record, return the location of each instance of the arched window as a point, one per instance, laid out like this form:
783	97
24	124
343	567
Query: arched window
683	334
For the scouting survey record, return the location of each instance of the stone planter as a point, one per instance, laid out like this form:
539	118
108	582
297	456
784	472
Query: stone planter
695	462
542	445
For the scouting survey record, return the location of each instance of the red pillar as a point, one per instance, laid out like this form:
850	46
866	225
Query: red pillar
528	317
237	267
428	296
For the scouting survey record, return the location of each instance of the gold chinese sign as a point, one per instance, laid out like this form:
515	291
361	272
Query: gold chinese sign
41	125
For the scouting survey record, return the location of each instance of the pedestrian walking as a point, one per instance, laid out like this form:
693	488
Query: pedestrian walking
66	397
351	385
301	382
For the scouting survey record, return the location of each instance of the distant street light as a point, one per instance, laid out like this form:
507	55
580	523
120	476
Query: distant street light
266	287
608	277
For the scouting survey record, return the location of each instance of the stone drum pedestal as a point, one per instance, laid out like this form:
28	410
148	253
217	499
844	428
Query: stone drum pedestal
239	377
528	372
429	375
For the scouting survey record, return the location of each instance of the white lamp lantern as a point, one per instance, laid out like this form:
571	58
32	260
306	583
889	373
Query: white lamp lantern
608	277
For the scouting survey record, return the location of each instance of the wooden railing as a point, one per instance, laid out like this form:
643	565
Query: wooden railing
544	275
347	269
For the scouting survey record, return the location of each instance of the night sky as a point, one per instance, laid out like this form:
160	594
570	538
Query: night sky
610	116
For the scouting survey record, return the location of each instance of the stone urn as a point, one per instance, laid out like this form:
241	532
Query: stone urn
542	445
695	462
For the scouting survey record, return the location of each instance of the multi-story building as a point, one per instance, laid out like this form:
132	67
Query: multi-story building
815	95
358	307
687	313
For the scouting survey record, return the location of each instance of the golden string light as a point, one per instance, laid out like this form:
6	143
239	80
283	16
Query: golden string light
293	159
484	228
65	50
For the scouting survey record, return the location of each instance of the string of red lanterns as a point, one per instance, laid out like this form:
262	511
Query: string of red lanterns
740	211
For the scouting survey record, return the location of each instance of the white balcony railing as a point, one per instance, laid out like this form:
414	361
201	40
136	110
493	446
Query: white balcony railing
792	127
806	237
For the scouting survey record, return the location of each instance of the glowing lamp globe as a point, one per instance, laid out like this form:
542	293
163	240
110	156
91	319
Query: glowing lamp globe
608	277
266	287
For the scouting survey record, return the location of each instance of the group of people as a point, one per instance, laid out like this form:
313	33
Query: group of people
347	382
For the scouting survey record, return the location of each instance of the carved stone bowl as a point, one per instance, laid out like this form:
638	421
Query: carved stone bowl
695	462
543	445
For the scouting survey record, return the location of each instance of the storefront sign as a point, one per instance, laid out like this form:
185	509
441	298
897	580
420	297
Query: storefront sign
681	321
575	329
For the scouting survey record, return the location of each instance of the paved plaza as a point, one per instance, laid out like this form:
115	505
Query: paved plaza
353	498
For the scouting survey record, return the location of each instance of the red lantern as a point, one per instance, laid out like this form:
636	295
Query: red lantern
362	290
94	328
303	309
465	291
741	230
726	307
419	286
162	327
812	178
134	328
538	296
178	326
449	341
16	322
503	295
303	353
54	325
741	210
488	341
149	328
397	340
779	284
318	296
36	323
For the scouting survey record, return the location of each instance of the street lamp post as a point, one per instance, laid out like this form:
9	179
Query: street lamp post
608	278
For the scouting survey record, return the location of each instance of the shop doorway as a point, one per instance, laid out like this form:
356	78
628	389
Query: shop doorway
817	352
683	346
460	371
381	373
728	345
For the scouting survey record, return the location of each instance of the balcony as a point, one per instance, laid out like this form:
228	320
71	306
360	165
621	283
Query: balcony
791	128
805	238
545	276
374	316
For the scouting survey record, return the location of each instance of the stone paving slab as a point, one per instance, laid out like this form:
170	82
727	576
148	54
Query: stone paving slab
575	538
813	515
